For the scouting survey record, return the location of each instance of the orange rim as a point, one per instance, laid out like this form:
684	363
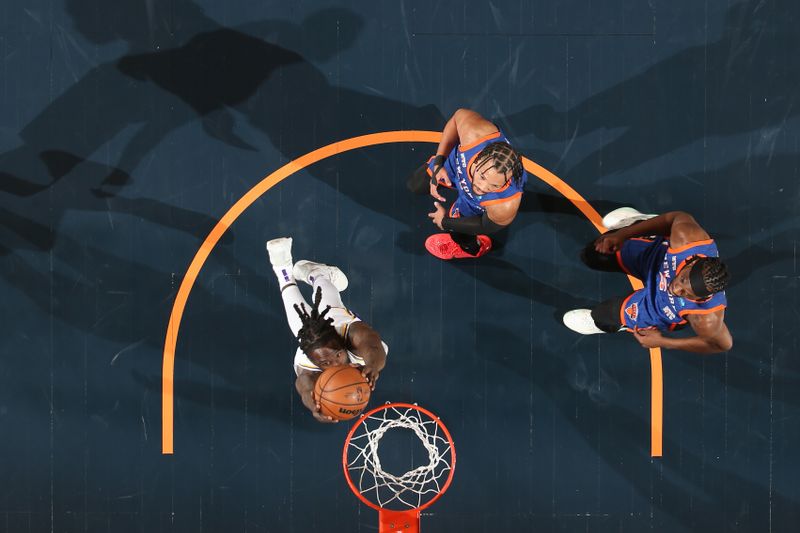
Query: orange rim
407	406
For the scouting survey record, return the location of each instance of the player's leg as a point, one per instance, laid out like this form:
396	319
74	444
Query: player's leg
635	256
605	317
330	296
280	256
468	243
330	279
599	261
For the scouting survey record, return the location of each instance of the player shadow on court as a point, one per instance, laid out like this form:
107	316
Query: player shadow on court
107	300
256	73
87	191
755	216
110	98
536	207
207	73
505	276
768	374
506	273
696	93
221	77
678	488
557	212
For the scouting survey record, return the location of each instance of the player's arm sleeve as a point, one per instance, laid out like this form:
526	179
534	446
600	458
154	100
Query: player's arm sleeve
481	225
435	164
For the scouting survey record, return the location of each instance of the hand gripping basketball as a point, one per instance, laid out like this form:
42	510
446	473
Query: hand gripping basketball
341	392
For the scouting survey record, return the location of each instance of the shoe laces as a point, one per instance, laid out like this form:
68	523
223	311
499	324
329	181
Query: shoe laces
448	247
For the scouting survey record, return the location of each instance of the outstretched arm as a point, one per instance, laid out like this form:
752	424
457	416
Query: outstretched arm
681	227
366	343
465	126
712	335
305	388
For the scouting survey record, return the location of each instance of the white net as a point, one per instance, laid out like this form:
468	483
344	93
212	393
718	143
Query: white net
413	488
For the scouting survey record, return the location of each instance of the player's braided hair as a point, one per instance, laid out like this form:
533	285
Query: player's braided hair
505	159
715	273
317	330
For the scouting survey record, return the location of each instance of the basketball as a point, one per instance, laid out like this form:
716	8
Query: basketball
342	392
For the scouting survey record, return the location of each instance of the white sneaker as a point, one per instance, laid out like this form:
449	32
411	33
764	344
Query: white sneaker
580	321
623	217
280	252
307	270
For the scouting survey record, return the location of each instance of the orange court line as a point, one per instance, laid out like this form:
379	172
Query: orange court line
656	376
171	340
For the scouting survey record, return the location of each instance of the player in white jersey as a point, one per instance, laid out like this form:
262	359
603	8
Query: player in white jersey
330	337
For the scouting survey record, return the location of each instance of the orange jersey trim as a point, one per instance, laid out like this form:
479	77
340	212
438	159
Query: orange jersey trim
689	245
701	311
501	200
464	148
622	310
469	165
618	255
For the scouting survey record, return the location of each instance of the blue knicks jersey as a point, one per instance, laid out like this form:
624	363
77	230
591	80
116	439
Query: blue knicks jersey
469	204
656	264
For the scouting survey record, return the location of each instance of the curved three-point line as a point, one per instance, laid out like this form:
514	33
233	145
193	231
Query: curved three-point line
185	289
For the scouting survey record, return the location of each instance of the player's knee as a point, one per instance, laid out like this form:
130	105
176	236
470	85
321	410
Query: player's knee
606	315
591	257
598	261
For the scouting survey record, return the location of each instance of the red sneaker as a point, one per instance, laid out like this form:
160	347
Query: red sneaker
443	246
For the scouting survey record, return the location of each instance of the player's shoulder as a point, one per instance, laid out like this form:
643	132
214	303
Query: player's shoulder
473	128
686	232
697	244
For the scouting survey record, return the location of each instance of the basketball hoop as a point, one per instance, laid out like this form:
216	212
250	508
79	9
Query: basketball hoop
398	498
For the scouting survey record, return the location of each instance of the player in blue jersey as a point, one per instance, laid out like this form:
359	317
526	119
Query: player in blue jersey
477	160
683	276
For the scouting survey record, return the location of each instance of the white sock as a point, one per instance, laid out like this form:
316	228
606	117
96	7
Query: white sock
284	275
290	294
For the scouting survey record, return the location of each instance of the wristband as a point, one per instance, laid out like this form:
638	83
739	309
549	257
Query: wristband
435	164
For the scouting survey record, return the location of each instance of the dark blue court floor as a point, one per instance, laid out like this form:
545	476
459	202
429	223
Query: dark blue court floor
129	127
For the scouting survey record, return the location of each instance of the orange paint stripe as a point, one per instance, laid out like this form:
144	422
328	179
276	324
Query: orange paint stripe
192	272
